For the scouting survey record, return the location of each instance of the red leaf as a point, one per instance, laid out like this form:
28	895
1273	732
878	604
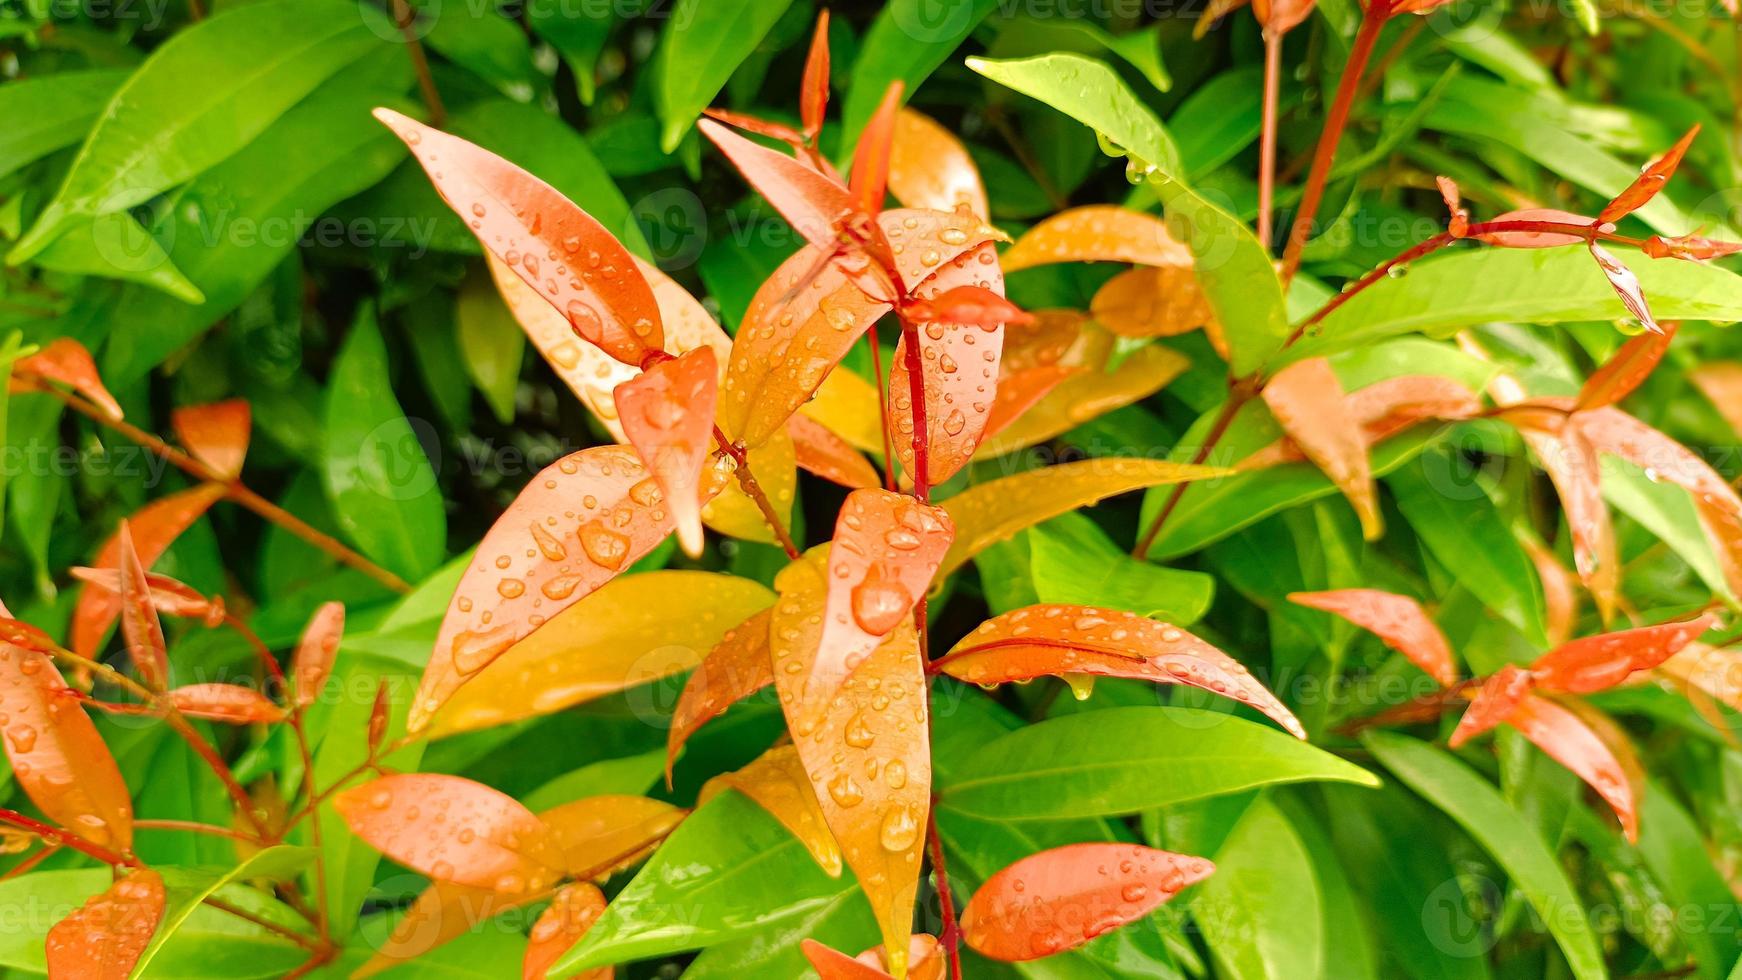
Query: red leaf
930	168
231	704
1626	370
1650	180
809	201
570	914
966	306
870	176
579	523
168	596
1494	703
1060	899
313	662
103	938
155	527
1572	743
1058	640
813	98
215	434
819	451
1535	239
733	670
57	756
453	829
552	244
1307	401
140	627
667	411
1626	286
1596	663
1692	248
767	128
66	361
1397	620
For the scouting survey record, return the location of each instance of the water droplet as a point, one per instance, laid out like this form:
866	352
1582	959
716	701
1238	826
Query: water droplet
900	829
603	545
879	602
844	791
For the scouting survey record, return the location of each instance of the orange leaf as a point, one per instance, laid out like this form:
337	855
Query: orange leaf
1098	233
1572	743
1082	395
140	627
56	754
601	835
1622	373
819	451
1626	286
154	527
579	523
103	938
313	662
1711	670
1308	403
1278	17
925	961
1560	600
1459	222
1690	248
870	175
832	964
1397	620
1597	663
1153	301
168	596
453	829
930	168
1056	640
215	434
866	750
809	201
1721	383
667	412
1387	407
1650	180
732	671
231	704
960	373
1062	898
557	248
1494	703
1570	461
570	914
776	781
1535	239
813	96
66	361
1019	392
440	914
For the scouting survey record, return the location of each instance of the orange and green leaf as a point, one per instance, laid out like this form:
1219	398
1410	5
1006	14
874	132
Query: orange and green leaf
454	830
105	937
1397	620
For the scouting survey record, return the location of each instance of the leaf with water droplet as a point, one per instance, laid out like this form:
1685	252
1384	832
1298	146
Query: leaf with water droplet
1596	663
231	704
1098	233
621	636
154	527
601	835
454	829
930	168
1398	620
140	628
776	780
1057	639
667	412
819	451
1062	898
103	938
312	663
1307	401
57	756
558	249
216	434
1081	395
66	361
737	667
572	911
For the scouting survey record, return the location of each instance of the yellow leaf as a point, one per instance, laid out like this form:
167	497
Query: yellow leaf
1088	395
778	784
930	168
847	405
600	835
1153	301
1098	233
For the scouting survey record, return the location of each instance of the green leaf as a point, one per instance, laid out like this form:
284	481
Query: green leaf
48	112
492	344
1468	799
1141	49
383	491
201	97
1262	911
1675	850
1667	511
630	775
1473	285
116	246
487	44
1073	561
1122	760
187	890
843	922
906	43
704	42
1233	268
728	871
579	35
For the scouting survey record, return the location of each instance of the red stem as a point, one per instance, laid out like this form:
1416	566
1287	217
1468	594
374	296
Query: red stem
916	393
754	491
67	838
1267	135
951	940
882	408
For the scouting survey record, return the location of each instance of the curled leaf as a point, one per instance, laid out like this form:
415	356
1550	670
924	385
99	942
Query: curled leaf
667	412
1572	743
1397	620
1058	640
1307	401
154	528
557	248
66	361
1458	224
778	784
1690	248
737	667
215	434
1596	663
231	704
103	938
1626	285
57	756
1098	233
572	911
930	168
140	627
312	663
453	829
1650	180
1059	899
1495	701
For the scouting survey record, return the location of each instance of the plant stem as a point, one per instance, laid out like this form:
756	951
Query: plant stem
1219	428
195	827
306	942
1373	20
916	394
67	838
951	940
754	491
882	408
1267	135
402	15
236	491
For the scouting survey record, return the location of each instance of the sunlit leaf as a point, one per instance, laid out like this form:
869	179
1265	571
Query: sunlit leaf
778	783
930	168
1569	741
312	663
1062	639
57	757
621	636
667	412
66	361
558	249
1595	663
1495	702
818	451
1398	620
1098	233
572	911
216	434
105	937
989	512
580	521
1059	899
1307	401
1650	180
454	830
1154	301
231	704
1626	286
737	667
140	627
